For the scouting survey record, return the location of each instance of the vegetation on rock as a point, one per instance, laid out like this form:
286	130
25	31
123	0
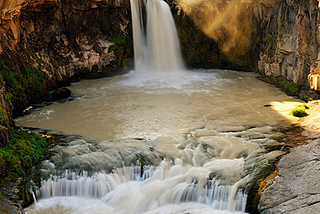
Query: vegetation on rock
3	116
22	86
117	40
24	150
299	112
290	86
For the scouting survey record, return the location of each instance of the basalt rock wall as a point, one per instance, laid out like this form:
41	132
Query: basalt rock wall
289	43
218	34
44	43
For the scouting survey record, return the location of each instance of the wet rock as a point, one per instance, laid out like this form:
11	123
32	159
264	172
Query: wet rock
278	38
7	206
61	93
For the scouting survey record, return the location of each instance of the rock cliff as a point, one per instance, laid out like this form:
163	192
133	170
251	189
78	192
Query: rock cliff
49	42
56	40
46	43
289	39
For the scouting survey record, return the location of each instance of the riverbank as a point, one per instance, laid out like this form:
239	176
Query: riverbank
294	187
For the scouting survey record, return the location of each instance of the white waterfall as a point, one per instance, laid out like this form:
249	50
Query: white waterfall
156	48
148	189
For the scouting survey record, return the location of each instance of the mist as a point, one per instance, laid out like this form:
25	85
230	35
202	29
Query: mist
231	23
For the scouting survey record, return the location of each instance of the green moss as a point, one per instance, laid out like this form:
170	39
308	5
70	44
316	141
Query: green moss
298	112
268	45
18	84
35	79
14	89
290	86
22	152
113	48
3	115
270	61
4	210
258	39
306	98
118	39
183	24
281	22
263	24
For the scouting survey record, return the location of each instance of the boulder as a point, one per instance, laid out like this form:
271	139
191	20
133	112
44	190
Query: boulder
61	93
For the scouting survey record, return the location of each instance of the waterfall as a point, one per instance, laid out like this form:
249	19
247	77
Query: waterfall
142	187
156	48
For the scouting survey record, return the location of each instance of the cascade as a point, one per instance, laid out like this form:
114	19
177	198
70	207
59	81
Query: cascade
141	187
156	45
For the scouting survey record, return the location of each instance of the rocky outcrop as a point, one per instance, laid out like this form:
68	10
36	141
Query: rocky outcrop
60	40
63	39
289	39
297	188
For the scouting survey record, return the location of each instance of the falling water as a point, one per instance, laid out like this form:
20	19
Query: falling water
147	189
157	48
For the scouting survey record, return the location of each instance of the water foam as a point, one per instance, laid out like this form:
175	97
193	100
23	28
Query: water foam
136	190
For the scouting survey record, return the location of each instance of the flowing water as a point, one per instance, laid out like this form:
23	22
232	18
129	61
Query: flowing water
186	143
159	139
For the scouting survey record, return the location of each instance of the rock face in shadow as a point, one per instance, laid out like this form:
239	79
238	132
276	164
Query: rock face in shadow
60	40
218	33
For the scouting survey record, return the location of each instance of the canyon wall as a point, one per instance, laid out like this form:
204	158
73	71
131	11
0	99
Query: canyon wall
289	39
46	43
49	42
